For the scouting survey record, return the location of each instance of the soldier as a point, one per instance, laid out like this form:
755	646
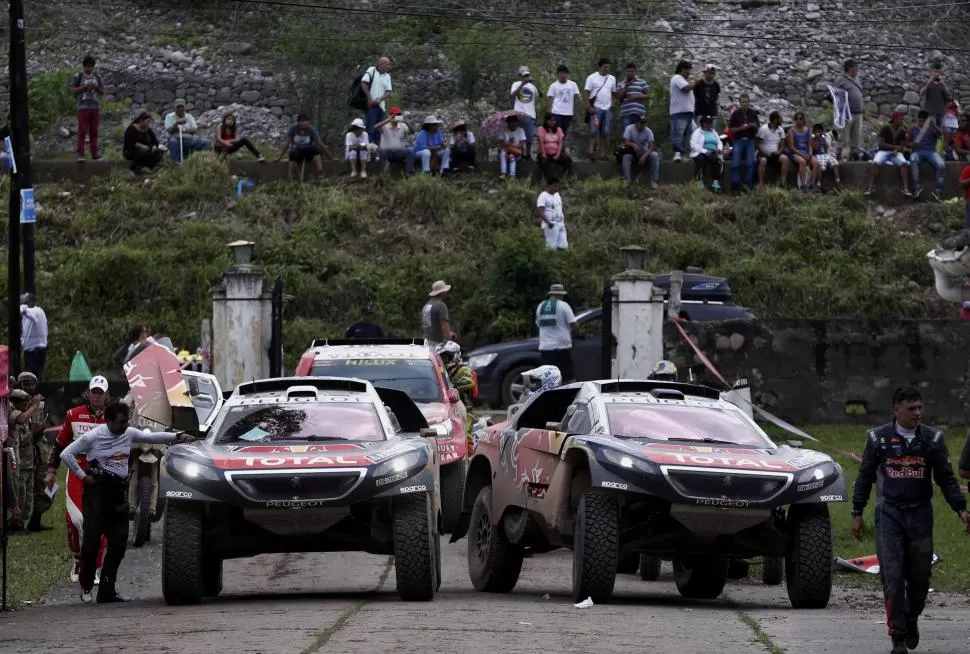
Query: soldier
24	407
42	452
900	458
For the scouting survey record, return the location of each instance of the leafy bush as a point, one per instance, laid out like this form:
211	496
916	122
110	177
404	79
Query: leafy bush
49	99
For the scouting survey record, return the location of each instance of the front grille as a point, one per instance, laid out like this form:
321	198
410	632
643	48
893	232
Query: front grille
282	486
726	484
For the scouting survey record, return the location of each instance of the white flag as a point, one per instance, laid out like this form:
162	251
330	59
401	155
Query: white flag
841	115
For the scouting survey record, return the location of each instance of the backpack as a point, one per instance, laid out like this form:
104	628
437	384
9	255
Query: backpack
357	98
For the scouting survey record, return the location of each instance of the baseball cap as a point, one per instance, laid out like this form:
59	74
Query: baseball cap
524	70
98	382
18	394
395	111
179	102
710	67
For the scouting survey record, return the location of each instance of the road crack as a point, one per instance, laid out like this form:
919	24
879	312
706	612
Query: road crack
759	633
323	637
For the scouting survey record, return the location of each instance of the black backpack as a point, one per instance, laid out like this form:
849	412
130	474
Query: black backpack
357	98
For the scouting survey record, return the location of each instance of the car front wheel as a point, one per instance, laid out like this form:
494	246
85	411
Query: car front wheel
494	563
808	562
183	579
596	547
416	548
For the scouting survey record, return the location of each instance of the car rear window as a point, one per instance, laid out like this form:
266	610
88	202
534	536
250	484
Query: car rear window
416	377
662	422
299	421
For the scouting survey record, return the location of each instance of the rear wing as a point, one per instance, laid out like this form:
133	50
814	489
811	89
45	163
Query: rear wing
283	383
647	386
324	342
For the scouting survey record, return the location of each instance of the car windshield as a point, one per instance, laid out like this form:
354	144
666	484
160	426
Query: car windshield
299	421
683	424
416	377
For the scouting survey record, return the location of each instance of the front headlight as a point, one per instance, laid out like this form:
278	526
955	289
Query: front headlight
400	464
818	473
479	361
191	470
627	461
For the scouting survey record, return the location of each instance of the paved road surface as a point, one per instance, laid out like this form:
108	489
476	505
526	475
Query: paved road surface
346	603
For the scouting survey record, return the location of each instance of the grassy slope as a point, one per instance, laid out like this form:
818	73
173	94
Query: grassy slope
118	251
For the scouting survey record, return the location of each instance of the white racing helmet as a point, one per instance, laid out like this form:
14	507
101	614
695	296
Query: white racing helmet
664	371
450	353
543	378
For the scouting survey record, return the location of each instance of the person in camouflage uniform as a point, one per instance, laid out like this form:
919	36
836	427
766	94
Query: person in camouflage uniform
42	452
23	408
462	378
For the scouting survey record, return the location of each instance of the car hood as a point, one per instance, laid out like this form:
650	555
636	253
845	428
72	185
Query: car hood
780	459
241	456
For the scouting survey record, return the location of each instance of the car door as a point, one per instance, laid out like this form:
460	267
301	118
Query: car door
206	395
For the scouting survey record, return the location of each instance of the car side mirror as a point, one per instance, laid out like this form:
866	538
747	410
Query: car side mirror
428	432
554	426
453	396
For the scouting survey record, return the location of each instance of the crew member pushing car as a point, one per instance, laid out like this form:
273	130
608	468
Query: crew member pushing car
900	457
107	448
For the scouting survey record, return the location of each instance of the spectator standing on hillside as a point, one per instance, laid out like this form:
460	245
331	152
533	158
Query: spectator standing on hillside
365	327
705	150
936	94
303	144
227	141
41	453
394	145
598	92
552	147
923	137
33	335
526	92
549	212
563	93
376	84
743	127
435	319
849	82
513	140
681	108
640	147
88	88
141	145
462	144
356	149
182	130
556	323
22	409
892	140
633	94
430	147
707	92
771	145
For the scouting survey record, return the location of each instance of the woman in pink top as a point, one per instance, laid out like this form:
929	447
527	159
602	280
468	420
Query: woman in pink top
552	147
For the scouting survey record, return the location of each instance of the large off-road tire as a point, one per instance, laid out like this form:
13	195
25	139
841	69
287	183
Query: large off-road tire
700	578
808	562
773	570
143	522
494	563
182	550
596	536
628	564
649	567
452	489
415	548
211	576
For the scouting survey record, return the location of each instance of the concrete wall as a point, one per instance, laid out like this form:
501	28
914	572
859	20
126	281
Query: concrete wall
809	371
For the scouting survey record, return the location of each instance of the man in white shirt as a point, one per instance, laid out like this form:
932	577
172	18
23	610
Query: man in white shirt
563	93
376	84
681	108
599	92
33	335
182	128
549	211
526	93
394	133
771	143
556	323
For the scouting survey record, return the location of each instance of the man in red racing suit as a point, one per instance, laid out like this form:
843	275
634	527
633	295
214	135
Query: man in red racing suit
79	420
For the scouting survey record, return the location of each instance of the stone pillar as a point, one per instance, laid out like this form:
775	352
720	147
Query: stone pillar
638	318
240	322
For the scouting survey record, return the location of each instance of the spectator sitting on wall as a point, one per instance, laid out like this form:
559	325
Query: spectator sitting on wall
5	131
303	144
923	137
430	147
462	144
88	88
771	144
640	147
182	129
892	140
513	140
357	150
799	150
394	146
951	124
141	145
821	142
705	150
526	93
552	147
226	141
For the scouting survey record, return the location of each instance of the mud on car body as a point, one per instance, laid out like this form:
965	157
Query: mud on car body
304	465
625	470
411	366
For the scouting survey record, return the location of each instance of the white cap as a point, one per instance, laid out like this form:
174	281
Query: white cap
710	67
524	70
98	382
359	123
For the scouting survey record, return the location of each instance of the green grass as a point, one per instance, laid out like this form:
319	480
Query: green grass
39	560
952	573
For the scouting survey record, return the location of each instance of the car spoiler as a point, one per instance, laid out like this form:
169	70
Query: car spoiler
319	383
408	414
323	342
645	386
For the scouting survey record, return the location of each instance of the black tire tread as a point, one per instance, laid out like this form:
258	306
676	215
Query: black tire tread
452	490
414	552
182	581
504	564
596	547
808	566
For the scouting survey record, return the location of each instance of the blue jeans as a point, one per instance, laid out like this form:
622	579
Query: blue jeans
605	118
743	150
934	159
397	156
189	145
653	162
681	127
373	116
626	121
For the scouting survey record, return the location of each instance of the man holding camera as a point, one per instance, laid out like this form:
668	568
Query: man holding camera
107	448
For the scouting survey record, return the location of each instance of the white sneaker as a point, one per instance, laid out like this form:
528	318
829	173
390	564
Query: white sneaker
363	173
76	571
353	173
87	598
97	576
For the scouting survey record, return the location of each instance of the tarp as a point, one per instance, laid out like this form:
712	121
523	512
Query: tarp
867	564
158	388
79	369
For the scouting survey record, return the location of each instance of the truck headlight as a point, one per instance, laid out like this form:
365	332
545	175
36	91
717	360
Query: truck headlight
192	470
400	464
628	461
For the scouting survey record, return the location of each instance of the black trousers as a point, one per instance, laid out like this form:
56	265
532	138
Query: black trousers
564	161
904	545
238	145
105	513
34	361
144	158
562	359
708	167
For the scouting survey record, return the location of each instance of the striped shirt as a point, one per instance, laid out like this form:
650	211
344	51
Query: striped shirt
629	106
